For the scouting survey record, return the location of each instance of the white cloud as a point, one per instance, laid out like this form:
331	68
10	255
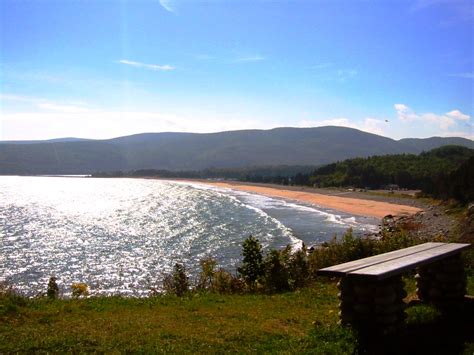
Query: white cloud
45	104
405	113
10	97
167	5
62	108
99	124
374	125
154	67
443	121
400	107
253	58
458	115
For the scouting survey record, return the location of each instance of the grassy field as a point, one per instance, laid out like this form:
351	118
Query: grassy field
304	321
198	323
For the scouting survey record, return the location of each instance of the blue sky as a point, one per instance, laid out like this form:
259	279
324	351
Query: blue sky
100	69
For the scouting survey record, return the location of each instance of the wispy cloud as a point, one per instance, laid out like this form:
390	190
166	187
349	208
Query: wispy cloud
443	121
46	105
12	97
253	58
154	67
102	124
167	5
51	106
465	75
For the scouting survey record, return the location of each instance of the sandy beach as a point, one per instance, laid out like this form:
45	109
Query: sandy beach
361	207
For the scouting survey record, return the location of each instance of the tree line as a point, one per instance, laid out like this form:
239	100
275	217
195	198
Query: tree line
445	172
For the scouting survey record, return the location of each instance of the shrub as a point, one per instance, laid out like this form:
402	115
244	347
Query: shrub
53	289
10	300
353	248
178	282
79	289
252	264
225	282
207	275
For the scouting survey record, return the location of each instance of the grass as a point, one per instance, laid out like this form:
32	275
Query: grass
302	321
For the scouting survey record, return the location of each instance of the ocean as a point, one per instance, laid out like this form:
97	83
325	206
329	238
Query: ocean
121	236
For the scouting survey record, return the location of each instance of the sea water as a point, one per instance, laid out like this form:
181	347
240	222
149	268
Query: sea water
120	236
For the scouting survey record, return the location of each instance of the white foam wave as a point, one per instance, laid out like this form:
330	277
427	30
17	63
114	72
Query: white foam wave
269	202
260	201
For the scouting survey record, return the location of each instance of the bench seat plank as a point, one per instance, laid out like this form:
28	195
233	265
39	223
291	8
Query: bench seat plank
398	265
343	269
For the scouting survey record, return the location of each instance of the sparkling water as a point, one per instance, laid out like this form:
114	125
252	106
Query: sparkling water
120	236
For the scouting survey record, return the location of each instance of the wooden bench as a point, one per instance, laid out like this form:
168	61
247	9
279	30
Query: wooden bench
372	290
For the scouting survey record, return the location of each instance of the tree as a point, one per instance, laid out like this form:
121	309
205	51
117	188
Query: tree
252	265
276	274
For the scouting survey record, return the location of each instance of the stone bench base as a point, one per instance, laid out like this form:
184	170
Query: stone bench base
377	306
372	305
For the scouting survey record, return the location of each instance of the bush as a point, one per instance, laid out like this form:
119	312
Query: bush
178	282
10	300
219	281
79	289
252	265
224	282
353	248
207	275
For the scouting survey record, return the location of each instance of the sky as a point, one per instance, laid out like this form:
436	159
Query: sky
102	69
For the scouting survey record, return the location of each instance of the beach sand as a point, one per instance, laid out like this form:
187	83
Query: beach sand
361	207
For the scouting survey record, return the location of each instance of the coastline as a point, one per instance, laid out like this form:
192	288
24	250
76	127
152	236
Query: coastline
351	205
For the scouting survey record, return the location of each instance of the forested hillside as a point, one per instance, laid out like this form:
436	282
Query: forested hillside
192	151
432	171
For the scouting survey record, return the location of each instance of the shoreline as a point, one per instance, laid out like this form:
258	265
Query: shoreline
356	206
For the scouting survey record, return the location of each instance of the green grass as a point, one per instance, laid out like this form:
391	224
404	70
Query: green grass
301	321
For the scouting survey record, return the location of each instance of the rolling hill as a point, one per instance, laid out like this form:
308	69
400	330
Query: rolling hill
193	151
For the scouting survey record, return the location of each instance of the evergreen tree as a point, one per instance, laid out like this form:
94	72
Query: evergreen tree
252	265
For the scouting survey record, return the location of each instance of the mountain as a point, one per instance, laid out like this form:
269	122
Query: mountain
194	151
